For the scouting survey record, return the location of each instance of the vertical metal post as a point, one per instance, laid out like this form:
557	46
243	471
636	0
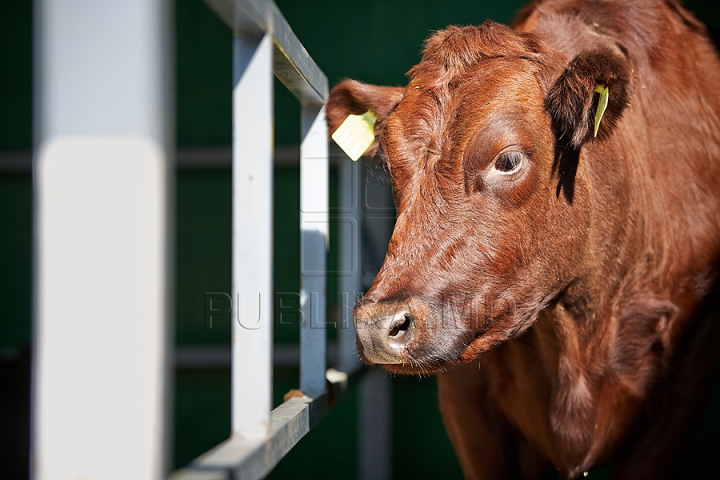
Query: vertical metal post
102	250
252	236
350	261
313	248
374	426
375	390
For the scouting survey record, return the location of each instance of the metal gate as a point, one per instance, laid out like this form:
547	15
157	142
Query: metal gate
103	255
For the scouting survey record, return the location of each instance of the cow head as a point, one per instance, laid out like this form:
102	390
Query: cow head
481	148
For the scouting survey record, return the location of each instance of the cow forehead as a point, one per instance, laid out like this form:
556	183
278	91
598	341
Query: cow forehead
435	121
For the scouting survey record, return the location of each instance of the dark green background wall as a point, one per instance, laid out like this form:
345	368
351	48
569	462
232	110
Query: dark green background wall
375	41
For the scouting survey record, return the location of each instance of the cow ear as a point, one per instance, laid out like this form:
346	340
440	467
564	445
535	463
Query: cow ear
574	98
353	97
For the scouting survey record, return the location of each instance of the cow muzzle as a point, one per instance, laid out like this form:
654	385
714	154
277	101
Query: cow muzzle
385	332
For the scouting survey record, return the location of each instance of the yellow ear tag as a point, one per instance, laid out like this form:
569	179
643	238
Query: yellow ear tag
602	105
356	134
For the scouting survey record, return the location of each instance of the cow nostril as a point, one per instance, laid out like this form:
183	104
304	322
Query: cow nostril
401	326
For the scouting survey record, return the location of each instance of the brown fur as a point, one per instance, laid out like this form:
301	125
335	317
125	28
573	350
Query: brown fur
567	307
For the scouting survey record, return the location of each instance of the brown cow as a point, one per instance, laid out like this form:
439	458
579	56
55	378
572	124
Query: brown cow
559	283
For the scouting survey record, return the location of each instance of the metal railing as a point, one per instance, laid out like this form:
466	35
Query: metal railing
264	44
103	254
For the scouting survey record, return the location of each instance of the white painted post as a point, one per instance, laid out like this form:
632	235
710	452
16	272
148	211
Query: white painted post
252	236
314	233
102	248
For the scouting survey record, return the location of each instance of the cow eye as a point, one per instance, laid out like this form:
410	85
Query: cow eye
509	162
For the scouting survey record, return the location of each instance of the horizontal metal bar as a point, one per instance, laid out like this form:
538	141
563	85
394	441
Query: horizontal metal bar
192	474
221	157
211	356
292	64
290	422
216	157
16	162
187	158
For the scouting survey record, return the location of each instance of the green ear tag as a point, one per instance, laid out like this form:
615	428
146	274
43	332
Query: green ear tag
602	105
356	134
